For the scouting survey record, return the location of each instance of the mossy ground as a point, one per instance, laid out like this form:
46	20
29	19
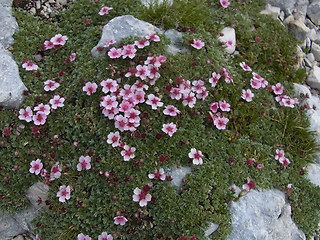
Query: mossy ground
255	129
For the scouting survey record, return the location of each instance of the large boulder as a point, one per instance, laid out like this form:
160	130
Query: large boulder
313	12
125	26
263	215
284	5
11	86
314	77
298	29
8	24
122	27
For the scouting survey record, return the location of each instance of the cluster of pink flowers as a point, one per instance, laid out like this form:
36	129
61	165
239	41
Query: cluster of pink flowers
103	236
196	156
42	111
223	74
281	98
218	119
281	158
55	42
257	81
127	151
142	196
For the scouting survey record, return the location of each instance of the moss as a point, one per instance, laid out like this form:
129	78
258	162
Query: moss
255	129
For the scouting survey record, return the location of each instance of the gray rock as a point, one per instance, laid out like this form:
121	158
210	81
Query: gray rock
147	3
314	12
122	27
19	237
314	173
310	57
284	5
313	79
11	86
315	49
300	58
298	29
126	26
308	63
19	223
300	9
176	45
7	27
312	34
211	229
177	174
274	12
6	3
263	215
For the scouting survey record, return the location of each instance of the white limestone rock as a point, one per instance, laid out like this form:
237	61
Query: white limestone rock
274	12
284	5
298	29
228	34
313	79
314	173
8	26
315	49
263	215
313	12
177	174
11	86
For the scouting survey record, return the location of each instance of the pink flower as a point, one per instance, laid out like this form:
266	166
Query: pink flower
221	122
114	139
250	184
29	65
142	72
50	85
64	193
115	53
279	154
84	163
171	111
55	171
224	3
26	114
128	51
90	88
48	45
214	107
133	115
39	118
278	89
81	236
154	101
128	152
203	94
175	93
56	102
259	166
198	44
189	99
37	237
109	43
139	97
120	122
45	109
257	77
198	86
245	66
169	128
120	220
196	156
109	85
125	106
109	102
153	37
256	84
58	39
214	79
142	43
36	166
141	196
224	106
287	101
72	57
158	174
105	236
104	10
284	161
247	95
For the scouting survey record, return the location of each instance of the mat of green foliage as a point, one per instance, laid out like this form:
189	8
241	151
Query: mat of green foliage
255	130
